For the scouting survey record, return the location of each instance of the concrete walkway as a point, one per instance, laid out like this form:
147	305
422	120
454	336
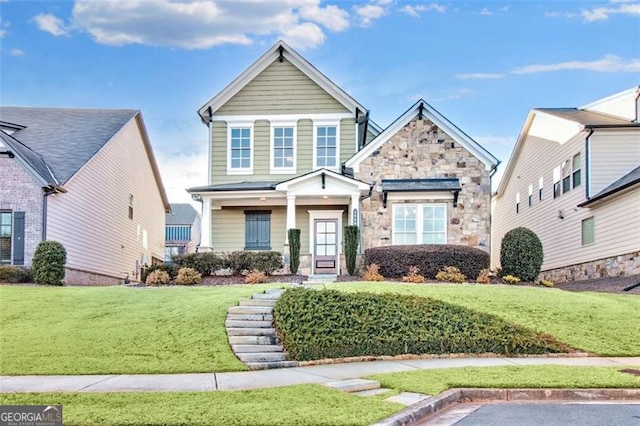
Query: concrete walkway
272	378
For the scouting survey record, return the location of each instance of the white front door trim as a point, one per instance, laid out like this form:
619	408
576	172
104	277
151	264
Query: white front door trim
324	214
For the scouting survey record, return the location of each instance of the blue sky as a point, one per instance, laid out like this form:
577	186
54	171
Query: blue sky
481	64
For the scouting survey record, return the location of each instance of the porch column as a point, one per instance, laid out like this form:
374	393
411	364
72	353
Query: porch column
291	215
205	237
353	207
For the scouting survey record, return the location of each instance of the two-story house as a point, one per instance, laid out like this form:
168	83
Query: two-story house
290	149
86	178
574	179
182	230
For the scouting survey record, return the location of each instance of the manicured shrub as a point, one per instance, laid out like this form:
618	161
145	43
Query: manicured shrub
484	277
239	262
318	324
450	274
206	263
294	250
170	269
48	263
394	261
371	273
413	276
188	276
266	261
157	277
547	283
351	241
521	254
510	279
255	277
15	274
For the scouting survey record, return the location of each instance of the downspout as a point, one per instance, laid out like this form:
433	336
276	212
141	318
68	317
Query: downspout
587	165
45	194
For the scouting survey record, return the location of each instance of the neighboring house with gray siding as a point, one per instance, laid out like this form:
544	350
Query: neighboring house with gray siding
290	149
86	178
182	230
574	179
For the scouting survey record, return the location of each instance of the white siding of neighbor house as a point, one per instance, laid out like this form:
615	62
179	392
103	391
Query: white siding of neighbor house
561	238
614	153
92	221
621	105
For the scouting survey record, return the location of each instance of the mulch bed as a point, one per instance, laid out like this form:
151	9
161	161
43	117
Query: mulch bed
605	285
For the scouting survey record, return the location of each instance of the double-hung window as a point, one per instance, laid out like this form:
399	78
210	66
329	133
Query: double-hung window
5	237
326	145
240	155
419	224
577	175
257	230
283	148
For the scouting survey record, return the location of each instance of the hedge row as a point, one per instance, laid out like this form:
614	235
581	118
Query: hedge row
317	324
239	262
395	261
15	274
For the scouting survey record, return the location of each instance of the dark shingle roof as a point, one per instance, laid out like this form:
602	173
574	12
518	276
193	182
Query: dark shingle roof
426	185
181	214
65	138
33	159
631	178
588	118
236	186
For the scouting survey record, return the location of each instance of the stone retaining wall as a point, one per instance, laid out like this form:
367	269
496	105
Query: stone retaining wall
622	265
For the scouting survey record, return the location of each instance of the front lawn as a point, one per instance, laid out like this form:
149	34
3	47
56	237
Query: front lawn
293	405
605	324
108	330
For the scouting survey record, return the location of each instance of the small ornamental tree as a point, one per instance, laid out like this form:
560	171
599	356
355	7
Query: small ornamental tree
48	263
351	240
521	254
294	250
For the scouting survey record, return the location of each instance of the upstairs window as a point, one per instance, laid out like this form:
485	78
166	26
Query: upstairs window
577	172
540	188
283	149
257	230
5	237
530	195
556	182
326	146
240	147
566	176
518	202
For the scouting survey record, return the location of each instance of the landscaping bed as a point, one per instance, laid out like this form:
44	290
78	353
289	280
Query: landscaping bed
603	285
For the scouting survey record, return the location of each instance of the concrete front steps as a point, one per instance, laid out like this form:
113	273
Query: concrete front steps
364	387
251	334
320	279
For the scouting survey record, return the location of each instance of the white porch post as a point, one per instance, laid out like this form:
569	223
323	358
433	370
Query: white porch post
205	238
354	205
291	215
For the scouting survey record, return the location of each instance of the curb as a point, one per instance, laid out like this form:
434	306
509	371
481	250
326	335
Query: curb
447	398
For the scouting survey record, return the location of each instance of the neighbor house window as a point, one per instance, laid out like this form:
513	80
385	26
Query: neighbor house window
518	202
530	195
177	233
131	206
257	230
5	237
588	231
540	188
419	224
283	149
240	145
577	174
326	146
566	176
556	182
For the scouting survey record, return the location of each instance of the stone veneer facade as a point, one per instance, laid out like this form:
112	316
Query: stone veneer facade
20	192
422	150
622	265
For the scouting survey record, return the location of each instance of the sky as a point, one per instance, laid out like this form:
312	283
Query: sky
482	64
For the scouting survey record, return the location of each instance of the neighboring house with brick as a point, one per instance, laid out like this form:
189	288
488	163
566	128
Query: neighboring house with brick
574	179
291	149
86	178
182	230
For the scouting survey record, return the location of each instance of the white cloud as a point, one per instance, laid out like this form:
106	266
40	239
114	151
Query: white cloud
369	13
16	52
200	24
615	8
453	95
485	12
181	171
417	9
51	24
609	63
480	76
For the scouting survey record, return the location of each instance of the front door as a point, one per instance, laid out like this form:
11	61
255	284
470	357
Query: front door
326	246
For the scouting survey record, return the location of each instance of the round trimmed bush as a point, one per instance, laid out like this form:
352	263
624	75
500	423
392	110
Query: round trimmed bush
157	277
188	276
521	254
48	263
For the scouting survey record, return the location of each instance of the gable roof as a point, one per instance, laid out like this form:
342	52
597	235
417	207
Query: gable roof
589	119
55	143
626	181
422	108
274	53
284	185
181	214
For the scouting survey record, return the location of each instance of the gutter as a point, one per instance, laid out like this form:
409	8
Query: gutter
587	165
51	189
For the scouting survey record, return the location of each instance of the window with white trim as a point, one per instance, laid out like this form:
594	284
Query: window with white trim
5	237
540	188
556	182
588	231
518	202
419	224
283	149
326	146
240	155
577	174
530	199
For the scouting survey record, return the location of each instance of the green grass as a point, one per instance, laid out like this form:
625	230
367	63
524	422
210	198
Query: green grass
107	330
543	376
293	405
605	324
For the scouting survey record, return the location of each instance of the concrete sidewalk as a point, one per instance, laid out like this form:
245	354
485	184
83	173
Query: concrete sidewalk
272	378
